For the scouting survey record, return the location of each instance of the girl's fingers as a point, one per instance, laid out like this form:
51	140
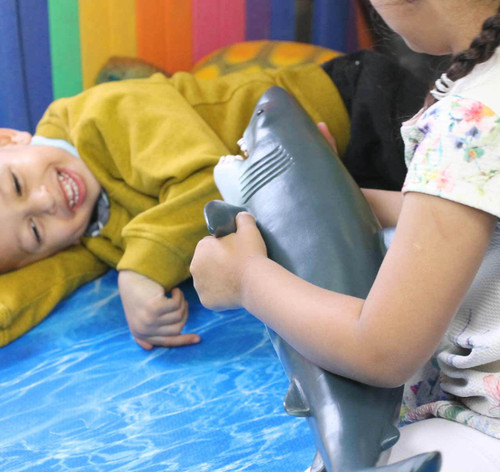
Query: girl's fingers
244	220
327	135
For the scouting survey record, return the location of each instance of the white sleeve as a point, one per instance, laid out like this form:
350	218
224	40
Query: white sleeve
457	156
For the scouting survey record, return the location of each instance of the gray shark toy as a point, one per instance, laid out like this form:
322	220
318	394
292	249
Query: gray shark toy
317	224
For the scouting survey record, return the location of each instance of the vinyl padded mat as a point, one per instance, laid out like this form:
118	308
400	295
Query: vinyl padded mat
77	394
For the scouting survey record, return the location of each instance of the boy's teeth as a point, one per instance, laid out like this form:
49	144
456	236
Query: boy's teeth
70	188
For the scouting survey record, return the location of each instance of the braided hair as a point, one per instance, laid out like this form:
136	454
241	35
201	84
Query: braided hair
481	49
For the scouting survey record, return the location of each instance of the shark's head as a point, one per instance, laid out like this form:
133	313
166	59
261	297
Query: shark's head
265	141
238	179
279	135
268	116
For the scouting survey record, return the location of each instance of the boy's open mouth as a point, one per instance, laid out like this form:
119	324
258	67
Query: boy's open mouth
73	188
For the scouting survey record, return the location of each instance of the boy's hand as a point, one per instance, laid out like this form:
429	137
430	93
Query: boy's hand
153	318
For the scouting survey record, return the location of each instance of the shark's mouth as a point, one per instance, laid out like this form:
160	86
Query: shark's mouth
243	146
263	171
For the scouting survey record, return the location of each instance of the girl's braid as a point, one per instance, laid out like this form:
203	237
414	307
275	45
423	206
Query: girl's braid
481	49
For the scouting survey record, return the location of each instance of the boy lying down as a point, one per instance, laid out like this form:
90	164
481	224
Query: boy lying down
118	176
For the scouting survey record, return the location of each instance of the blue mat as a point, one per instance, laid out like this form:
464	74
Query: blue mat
77	394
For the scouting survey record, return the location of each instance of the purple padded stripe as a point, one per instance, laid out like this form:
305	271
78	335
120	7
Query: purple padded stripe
258	19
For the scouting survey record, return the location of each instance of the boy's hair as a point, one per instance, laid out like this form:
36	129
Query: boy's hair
481	49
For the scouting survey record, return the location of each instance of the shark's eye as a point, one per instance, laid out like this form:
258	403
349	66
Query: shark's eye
260	111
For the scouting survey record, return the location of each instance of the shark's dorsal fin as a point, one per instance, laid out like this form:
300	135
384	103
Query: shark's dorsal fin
318	465
391	436
295	402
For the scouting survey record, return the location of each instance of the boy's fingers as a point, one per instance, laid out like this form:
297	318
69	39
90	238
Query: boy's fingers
174	316
144	344
163	330
176	292
175	341
176	297
164	304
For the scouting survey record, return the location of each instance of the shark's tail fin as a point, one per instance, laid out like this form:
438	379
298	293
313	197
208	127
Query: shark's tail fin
428	462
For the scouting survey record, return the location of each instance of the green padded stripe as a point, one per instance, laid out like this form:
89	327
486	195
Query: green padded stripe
65	48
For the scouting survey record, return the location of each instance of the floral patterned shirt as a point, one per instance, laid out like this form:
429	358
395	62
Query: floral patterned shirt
453	151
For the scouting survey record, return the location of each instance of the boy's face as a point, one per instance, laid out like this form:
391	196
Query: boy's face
46	200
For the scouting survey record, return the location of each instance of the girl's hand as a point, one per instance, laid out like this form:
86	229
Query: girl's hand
153	318
219	265
323	128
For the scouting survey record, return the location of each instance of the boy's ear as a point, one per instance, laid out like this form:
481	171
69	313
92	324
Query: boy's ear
13	137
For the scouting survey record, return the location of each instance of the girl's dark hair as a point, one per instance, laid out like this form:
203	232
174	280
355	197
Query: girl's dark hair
481	49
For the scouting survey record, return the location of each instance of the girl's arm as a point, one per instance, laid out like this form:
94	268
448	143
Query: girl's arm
436	251
385	204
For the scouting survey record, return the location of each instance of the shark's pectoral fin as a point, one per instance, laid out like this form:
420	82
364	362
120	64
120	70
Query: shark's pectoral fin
391	436
295	402
220	217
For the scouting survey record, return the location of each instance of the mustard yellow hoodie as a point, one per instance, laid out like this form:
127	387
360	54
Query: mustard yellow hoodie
152	144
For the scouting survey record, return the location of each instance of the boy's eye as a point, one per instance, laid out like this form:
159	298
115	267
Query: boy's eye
17	185
35	231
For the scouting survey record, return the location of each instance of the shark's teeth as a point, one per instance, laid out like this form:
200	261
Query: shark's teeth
230	158
69	187
243	146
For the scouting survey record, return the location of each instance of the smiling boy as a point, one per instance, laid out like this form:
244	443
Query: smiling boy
143	152
46	201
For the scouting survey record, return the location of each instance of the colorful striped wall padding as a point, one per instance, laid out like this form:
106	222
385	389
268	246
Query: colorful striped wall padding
55	48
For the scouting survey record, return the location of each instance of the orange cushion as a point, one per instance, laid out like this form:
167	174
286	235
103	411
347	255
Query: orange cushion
253	56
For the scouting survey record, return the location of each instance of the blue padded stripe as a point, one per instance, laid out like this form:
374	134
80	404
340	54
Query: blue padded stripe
330	24
14	110
34	22
283	20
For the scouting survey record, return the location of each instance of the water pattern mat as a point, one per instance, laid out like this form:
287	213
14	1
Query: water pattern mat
77	394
